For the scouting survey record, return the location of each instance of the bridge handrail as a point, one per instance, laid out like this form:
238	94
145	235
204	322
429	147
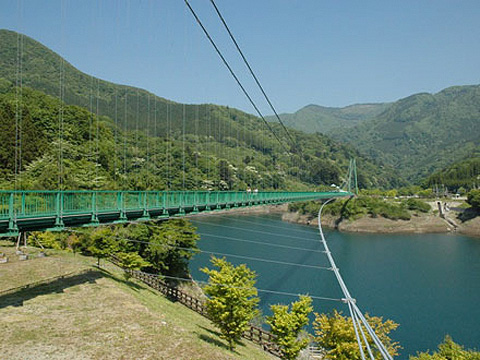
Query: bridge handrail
29	204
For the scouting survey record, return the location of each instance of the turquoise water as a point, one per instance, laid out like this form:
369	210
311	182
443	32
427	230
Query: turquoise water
428	283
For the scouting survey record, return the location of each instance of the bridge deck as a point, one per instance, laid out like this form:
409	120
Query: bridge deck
41	210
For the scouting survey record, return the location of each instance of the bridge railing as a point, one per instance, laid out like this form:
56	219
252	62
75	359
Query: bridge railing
36	203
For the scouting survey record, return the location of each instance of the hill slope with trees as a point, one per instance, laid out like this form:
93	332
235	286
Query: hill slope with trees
461	176
100	135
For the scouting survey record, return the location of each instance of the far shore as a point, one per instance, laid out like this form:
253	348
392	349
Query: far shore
421	224
418	224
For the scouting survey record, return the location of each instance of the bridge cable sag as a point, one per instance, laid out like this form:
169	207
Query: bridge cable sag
239	83
261	243
252	72
230	218
255	231
240	287
219	253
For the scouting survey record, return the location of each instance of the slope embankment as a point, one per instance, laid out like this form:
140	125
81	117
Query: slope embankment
92	313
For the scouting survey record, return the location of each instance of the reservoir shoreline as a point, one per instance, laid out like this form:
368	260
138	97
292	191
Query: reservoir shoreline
418	224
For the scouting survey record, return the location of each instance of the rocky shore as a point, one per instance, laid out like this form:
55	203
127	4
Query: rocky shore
418	224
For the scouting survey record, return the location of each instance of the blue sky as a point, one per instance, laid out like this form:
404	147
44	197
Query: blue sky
330	53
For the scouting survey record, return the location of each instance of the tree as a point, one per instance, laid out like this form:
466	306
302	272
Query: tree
102	243
131	261
324	172
232	298
286	326
225	173
171	245
335	333
448	350
473	198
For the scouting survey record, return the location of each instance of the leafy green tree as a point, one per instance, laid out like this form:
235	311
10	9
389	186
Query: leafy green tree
226	173
335	333
427	193
171	245
286	326
102	243
232	298
473	198
131	261
448	350
324	172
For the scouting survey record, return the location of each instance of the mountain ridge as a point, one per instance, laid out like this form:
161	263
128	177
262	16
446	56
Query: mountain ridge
317	118
422	133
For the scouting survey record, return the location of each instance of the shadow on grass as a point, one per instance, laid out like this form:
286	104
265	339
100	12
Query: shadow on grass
18	297
215	339
58	285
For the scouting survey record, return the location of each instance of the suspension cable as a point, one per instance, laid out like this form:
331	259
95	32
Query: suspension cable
230	218
353	308
239	287
220	253
252	72
225	62
255	231
261	243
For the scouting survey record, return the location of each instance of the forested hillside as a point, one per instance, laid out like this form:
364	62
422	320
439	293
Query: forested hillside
464	174
108	136
315	118
49	144
422	133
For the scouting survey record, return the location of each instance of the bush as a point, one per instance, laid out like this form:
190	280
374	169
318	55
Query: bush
419	205
354	208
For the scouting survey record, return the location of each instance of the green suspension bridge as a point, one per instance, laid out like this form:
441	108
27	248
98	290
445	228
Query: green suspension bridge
30	210
23	210
57	210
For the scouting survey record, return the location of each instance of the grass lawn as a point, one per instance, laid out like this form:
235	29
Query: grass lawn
96	314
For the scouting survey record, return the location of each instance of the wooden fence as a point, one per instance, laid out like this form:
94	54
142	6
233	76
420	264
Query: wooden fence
254	333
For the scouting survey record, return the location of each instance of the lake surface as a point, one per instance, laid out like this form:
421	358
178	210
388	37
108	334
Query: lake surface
428	283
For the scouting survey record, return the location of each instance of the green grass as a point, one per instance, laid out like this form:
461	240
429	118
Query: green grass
99	315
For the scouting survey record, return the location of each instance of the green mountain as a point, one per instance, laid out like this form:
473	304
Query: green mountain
315	118
422	133
97	134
